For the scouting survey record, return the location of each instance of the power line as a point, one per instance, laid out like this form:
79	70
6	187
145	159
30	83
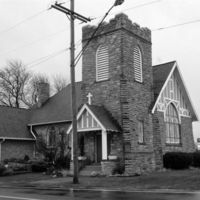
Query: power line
50	56
46	58
131	8
51	35
176	25
33	42
78	57
21	22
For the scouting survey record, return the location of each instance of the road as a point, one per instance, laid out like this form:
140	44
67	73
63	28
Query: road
37	194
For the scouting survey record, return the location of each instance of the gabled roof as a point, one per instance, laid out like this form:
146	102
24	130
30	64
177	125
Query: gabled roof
102	116
13	123
57	108
162	74
105	118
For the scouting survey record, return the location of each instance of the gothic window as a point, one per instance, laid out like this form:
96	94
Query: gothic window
102	63
140	132
137	62
172	125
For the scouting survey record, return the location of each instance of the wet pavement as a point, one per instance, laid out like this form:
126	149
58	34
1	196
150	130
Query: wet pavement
45	194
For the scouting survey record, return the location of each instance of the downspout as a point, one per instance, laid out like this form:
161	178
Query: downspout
1	142
34	150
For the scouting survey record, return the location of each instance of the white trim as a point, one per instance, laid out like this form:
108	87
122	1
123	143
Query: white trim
31	129
88	129
104	145
159	96
187	93
80	113
15	138
52	122
177	111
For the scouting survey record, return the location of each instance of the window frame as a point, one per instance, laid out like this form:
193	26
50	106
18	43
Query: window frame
139	64
140	127
172	125
98	79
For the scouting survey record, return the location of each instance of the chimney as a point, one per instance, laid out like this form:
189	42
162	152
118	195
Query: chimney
43	93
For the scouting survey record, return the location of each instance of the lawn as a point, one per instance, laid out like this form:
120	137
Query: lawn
179	179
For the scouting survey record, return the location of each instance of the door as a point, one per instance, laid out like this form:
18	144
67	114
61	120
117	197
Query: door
98	149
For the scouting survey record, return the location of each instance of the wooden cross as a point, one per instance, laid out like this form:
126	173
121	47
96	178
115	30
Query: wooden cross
89	96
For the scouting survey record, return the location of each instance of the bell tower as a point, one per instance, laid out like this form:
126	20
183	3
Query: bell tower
117	70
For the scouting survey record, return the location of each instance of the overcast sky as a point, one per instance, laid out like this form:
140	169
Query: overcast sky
39	37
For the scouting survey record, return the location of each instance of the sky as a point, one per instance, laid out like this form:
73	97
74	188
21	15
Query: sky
40	37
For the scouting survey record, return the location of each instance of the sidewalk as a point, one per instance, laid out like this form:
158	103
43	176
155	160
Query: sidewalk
169	181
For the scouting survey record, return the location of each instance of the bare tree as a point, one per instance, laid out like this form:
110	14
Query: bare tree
14	79
19	87
59	82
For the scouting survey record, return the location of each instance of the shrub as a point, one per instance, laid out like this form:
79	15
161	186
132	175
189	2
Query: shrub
196	159
2	170
39	166
177	160
26	158
62	162
119	168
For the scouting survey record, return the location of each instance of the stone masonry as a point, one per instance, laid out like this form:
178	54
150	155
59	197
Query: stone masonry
127	100
17	149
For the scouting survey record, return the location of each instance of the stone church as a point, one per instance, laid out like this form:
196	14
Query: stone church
127	109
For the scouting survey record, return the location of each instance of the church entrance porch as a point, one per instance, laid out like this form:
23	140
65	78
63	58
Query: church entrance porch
95	129
90	147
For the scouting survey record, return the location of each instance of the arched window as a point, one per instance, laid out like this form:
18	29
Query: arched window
102	63
137	62
172	125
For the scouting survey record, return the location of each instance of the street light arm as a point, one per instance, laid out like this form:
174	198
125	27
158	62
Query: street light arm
78	57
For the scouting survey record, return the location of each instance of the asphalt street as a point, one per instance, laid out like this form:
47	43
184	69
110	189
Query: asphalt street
41	194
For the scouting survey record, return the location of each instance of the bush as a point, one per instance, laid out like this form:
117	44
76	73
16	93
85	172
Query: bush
26	158
2	170
39	166
196	159
119	168
62	162
177	160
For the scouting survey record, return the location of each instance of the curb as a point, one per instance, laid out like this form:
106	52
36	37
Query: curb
167	191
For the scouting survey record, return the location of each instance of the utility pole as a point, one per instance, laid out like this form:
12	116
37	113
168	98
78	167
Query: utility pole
73	15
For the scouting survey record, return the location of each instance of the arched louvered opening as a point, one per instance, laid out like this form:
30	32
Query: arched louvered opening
102	63
172	125
137	62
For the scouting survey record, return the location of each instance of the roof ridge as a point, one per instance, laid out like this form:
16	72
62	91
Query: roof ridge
164	63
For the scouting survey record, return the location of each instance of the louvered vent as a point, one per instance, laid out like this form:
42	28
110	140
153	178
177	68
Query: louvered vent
102	63
137	59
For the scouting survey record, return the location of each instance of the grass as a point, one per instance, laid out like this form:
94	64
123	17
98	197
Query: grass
177	179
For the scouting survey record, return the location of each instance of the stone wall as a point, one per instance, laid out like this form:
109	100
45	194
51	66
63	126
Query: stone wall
127	100
139	162
17	149
108	166
187	140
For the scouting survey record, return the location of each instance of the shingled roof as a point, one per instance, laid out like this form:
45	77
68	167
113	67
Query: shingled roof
13	123
57	108
160	74
105	118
